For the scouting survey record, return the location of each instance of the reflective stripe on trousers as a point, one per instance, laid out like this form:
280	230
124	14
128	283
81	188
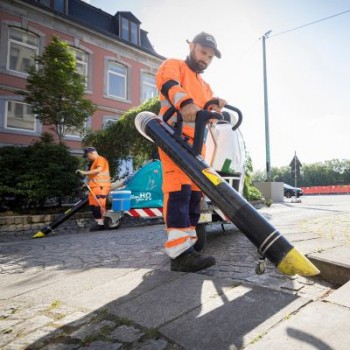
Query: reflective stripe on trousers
98	200
181	214
179	241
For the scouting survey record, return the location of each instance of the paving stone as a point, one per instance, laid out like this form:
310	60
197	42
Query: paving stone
9	309
171	300
26	311
32	324
101	345
51	284
126	334
130	284
296	286
7	337
319	325
340	296
61	346
301	236
153	344
125	272
333	264
240	315
26	341
335	256
11	269
6	325
315	291
92	329
75	319
316	245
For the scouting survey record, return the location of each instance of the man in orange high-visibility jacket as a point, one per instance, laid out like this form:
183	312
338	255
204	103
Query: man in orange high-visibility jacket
99	183
181	86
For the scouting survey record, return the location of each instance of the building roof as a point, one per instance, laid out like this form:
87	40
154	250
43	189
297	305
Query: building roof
128	15
87	15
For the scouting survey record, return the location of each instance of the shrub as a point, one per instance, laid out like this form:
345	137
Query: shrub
29	176
250	192
121	140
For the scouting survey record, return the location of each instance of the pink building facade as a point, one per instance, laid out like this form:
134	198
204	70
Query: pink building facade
112	52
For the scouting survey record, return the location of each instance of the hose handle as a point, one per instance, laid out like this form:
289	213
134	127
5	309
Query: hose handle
234	109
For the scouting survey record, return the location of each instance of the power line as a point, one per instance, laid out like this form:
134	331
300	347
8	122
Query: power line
309	24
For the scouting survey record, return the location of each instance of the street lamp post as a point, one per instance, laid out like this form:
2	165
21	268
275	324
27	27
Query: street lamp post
266	106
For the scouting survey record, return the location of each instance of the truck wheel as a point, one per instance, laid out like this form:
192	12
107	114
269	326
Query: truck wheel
201	237
110	225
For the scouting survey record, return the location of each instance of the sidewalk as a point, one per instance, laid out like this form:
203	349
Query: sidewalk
114	290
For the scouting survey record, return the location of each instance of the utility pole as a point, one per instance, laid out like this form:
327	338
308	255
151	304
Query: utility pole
266	105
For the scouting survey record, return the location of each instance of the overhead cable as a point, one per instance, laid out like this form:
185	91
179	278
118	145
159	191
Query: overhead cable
309	24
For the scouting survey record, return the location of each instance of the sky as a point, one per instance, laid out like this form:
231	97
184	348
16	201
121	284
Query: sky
308	69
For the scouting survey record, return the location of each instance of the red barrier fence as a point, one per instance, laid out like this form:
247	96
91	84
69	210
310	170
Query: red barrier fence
333	189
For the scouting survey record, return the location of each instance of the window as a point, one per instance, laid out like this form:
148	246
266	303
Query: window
73	131
129	31
45	2
82	62
116	80
57	5
109	120
125	29
19	116
23	47
149	88
134	31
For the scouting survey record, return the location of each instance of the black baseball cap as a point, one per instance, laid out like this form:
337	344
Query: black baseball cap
88	150
207	40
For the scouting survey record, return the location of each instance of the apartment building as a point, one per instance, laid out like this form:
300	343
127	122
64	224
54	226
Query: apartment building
113	52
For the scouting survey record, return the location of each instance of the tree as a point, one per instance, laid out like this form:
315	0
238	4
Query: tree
56	91
250	192
281	174
331	172
121	140
28	180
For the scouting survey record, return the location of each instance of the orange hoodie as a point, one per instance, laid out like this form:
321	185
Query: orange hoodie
102	179
178	84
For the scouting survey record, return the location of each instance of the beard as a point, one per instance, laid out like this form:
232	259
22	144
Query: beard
196	65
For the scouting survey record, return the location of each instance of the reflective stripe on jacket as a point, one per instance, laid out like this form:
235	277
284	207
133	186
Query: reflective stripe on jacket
102	179
177	83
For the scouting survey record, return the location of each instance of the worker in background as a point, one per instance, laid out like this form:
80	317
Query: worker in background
181	86
99	183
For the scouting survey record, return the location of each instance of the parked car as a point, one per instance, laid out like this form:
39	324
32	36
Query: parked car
290	191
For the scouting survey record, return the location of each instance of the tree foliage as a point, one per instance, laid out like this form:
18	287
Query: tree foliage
250	192
121	140
56	91
28	179
331	172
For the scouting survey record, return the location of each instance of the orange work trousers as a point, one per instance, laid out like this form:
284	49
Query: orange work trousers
98	200
181	207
